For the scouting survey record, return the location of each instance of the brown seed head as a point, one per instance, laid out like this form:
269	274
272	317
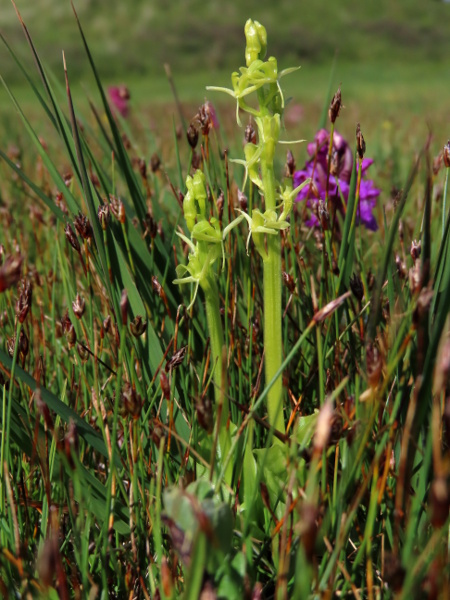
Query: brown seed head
176	359
165	386
117	208
416	250
10	271
335	106
290	164
242	200
124	307
138	326
360	143
446	154
155	162
72	238
142	168
103	215
68	330
220	204
373	365
78	306
250	134
356	285
131	401
23	303
192	136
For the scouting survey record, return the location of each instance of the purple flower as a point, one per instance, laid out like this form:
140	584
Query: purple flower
339	182
119	97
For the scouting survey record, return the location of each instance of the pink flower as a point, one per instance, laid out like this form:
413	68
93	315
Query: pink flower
119	97
339	182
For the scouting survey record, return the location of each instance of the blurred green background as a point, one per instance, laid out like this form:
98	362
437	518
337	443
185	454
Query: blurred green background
393	56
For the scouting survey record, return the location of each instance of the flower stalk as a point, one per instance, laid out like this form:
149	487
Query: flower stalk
206	245
262	77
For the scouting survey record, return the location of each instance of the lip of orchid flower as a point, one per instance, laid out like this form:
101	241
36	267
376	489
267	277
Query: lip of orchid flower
339	183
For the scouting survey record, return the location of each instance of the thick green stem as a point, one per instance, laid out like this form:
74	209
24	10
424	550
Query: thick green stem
273	347
216	337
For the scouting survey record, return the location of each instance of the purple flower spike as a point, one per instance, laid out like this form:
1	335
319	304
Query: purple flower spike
339	182
119	97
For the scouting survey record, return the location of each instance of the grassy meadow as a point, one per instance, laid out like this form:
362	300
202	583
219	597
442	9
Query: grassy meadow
224	361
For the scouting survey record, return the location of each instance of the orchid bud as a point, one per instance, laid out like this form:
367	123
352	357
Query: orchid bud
199	183
256	41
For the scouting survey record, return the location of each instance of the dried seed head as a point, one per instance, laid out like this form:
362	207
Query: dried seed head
289	282
242	201
416	250
373	365
205	414
220	204
324	215
82	352
117	208
250	134
59	201
335	106
290	164
69	330
131	401
79	306
107	324
196	160
10	271
103	215
401	267
72	238
176	359
138	326
43	409
23	345
151	227
124	307
155	162
68	176
23	303
446	154
165	386
142	168
192	136
360	142
356	285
